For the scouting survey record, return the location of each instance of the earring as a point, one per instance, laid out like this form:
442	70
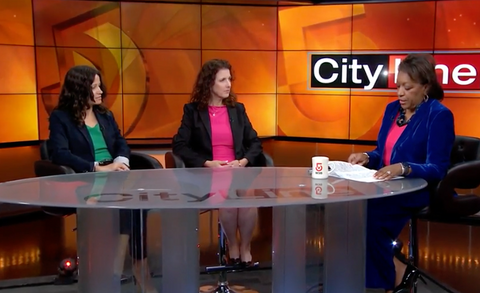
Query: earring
426	98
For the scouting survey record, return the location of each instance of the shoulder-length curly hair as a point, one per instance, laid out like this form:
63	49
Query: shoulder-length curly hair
76	92
202	90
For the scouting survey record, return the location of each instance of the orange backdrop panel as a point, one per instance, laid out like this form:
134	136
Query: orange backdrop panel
394	26
19	112
254	71
299	28
152	116
261	110
53	64
366	113
239	27
17	70
465	111
155	25
457	25
77	23
16	23
159	71
318	116
150	53
293	75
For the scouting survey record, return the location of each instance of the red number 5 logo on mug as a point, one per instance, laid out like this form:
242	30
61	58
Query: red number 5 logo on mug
319	167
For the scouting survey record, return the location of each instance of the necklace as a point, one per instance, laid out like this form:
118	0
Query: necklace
213	110
402	120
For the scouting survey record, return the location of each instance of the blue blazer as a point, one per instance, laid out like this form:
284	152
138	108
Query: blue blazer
71	145
426	143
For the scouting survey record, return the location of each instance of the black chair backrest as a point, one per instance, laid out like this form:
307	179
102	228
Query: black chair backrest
463	174
44	150
465	149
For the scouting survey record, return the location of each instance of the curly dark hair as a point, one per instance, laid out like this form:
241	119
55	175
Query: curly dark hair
77	92
206	79
421	68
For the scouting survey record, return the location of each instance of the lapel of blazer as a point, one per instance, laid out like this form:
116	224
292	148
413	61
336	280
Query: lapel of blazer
416	119
206	121
86	135
233	119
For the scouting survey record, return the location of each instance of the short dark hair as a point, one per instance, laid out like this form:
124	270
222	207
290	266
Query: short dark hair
421	68
206	78
77	92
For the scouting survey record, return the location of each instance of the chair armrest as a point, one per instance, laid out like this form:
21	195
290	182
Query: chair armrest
140	161
173	161
47	168
268	160
446	203
463	176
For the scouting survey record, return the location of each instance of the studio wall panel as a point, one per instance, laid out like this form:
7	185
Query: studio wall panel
18	117
16	23
17	70
153	115
254	71
318	116
457	25
149	55
77	23
262	111
160	25
239	27
394	26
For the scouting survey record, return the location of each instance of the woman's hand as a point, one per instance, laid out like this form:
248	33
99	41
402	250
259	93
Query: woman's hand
389	172
214	164
238	163
112	167
358	158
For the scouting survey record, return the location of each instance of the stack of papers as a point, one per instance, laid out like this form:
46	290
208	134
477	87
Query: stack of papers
348	171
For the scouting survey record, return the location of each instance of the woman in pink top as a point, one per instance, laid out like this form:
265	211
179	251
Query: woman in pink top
215	132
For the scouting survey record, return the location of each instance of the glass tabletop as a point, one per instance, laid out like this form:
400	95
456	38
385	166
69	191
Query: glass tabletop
196	188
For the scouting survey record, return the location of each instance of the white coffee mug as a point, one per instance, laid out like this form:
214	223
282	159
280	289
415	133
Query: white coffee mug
320	167
321	188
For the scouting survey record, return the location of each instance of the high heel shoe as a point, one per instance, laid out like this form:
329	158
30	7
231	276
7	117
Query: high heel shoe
142	277
409	280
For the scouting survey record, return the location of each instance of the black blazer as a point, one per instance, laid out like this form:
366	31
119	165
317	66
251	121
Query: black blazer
71	145
193	141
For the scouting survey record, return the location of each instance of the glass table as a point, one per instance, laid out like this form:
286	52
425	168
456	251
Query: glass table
180	194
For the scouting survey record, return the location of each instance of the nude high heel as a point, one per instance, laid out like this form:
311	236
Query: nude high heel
142	277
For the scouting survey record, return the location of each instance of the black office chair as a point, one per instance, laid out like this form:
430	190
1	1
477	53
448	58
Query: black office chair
173	161
45	167
445	206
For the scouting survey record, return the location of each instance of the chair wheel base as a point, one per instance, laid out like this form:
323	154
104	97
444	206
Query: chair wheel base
64	280
223	287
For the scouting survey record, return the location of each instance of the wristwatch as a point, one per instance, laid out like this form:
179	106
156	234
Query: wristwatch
405	168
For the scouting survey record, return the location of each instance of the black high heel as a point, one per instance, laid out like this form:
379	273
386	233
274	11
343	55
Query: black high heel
409	280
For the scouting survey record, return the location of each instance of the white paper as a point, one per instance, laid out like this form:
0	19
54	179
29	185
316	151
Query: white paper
348	171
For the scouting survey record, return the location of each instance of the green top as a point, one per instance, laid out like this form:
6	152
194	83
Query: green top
99	144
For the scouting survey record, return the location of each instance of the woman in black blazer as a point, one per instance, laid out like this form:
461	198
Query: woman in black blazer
215	132
85	137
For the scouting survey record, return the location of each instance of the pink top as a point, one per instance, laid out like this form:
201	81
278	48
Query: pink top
222	147
392	137
222	139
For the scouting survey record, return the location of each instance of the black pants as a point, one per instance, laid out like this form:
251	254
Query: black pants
134	223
